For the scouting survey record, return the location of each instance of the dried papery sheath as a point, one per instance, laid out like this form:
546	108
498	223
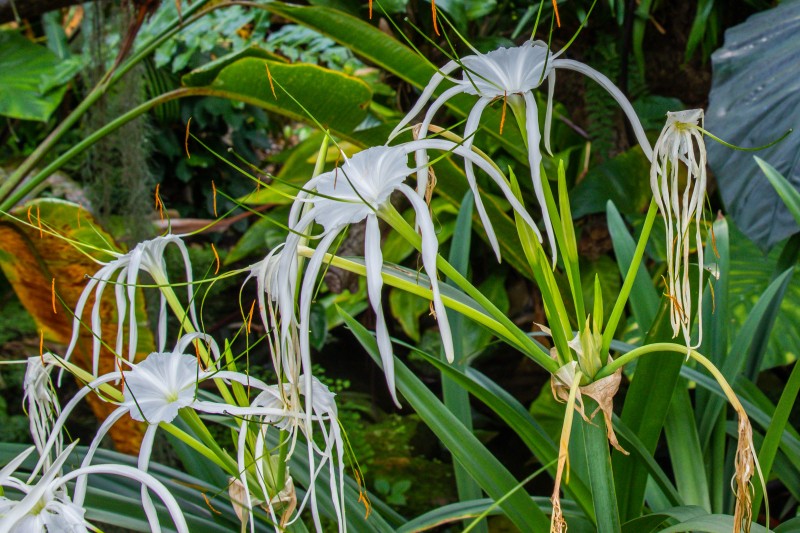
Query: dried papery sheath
678	180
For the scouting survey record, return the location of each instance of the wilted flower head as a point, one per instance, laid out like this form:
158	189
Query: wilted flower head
508	73
147	256
678	180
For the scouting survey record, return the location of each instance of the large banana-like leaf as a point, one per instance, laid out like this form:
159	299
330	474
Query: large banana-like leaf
34	261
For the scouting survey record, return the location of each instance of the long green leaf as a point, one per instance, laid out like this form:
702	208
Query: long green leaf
769	448
601	476
644	412
456	398
644	299
685	453
490	474
785	190
750	342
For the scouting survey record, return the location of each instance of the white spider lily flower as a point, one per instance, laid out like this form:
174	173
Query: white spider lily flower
325	414
47	507
154	391
41	403
147	256
504	73
356	191
678	180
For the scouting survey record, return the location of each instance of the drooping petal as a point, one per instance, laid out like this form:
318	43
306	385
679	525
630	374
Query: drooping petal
614	91
470	129
535	160
421	156
430	248
426	95
374	262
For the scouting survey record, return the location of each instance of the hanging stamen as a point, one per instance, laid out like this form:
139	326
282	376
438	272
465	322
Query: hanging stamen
39	221
208	503
53	295
503	114
41	345
216	258
78	216
433	14
159	203
214	198
186	139
555	10
30	220
271	85
370	9
250	316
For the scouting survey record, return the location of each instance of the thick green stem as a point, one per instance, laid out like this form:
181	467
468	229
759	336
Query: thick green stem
399	224
630	277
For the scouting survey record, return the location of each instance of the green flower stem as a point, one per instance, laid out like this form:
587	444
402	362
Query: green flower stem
225	461
415	288
630	277
194	444
396	220
94	95
183	318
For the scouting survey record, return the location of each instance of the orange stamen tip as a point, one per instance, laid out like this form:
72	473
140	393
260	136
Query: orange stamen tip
370	9
39	220
214	191
433	14
216	258
30	221
555	10
271	85
250	316
53	295
186	139
503	115
80	208
159	203
209	503
41	345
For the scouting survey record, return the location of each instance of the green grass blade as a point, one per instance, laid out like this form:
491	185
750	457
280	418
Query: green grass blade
644	298
644	412
456	398
487	471
772	439
684	450
785	190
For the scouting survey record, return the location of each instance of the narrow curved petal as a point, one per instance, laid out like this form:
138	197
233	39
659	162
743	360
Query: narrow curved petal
430	246
470	128
535	161
142	477
548	115
612	89
144	463
80	484
421	156
374	261
426	95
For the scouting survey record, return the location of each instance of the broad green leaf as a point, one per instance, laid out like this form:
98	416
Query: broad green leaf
393	56
207	73
754	100
714	523
302	92
487	471
598	463
32	78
